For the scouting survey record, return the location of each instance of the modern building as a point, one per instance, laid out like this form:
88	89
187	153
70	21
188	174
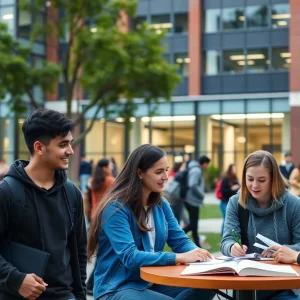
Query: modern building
240	88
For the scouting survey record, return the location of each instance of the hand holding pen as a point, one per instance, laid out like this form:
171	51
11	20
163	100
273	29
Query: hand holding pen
237	249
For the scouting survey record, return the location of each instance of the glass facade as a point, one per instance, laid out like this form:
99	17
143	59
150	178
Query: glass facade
7	16
181	23
251	16
183	61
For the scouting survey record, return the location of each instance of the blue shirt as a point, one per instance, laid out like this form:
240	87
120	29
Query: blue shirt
124	248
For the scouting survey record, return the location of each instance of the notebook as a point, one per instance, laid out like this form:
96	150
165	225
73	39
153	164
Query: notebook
26	259
239	267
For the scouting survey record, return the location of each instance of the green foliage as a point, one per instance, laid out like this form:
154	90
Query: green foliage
17	77
212	174
109	62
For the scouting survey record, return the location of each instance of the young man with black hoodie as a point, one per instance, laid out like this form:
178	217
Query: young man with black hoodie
46	222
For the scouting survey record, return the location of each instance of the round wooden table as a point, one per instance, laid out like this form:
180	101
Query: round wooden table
170	275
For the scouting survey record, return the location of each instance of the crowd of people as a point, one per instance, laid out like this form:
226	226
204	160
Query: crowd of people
130	218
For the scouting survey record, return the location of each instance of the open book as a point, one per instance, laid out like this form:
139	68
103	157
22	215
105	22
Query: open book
241	268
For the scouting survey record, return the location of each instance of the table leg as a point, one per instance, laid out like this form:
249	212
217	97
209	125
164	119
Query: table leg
245	295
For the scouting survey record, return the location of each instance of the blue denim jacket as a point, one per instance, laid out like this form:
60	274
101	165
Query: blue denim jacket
124	248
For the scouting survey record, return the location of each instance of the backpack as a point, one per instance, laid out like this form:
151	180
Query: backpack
18	200
177	188
218	191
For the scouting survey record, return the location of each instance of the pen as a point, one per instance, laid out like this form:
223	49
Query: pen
236	238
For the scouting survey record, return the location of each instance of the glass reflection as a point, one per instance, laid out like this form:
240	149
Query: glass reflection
212	20
281	58
280	15
257	16
233	18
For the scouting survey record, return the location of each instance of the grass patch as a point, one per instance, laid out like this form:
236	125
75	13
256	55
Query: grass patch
213	239
210	211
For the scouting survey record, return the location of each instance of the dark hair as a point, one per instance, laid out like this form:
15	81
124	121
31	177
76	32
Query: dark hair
128	190
203	159
177	166
44	125
230	175
99	175
288	153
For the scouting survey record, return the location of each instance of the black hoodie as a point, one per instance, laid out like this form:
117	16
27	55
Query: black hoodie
45	224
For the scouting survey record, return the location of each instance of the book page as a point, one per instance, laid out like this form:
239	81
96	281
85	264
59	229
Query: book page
247	256
254	268
202	269
267	241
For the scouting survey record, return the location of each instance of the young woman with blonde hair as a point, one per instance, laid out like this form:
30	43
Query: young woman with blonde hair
265	206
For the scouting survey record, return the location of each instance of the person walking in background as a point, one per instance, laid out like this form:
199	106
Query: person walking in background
264	206
287	165
229	187
195	194
3	168
114	167
295	181
48	221
177	203
85	171
130	228
98	185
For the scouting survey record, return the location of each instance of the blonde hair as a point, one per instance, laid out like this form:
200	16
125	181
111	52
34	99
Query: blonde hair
267	160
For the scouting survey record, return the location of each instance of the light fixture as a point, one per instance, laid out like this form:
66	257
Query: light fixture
119	120
249	56
132	119
93	29
285	54
241	139
282	23
8	17
161	25
288	60
242	18
179	60
189	148
187	60
268	61
169	119
281	16
249	62
248	116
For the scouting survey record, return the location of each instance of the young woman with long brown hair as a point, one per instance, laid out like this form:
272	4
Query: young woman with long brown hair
130	227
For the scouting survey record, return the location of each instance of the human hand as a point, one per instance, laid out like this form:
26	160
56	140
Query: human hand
235	187
236	250
32	287
192	256
284	254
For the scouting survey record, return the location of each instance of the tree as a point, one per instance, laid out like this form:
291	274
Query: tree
17	77
105	60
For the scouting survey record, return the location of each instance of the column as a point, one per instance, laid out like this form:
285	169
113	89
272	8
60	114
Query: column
205	138
286	133
135	134
195	47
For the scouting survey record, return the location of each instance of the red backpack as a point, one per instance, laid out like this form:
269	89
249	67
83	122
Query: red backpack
218	192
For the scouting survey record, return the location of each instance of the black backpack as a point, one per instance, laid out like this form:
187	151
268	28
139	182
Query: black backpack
18	200
182	178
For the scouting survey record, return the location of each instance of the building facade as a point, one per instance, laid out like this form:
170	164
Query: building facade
239	90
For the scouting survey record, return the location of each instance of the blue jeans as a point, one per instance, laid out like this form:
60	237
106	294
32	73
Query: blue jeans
223	206
161	292
284	295
84	178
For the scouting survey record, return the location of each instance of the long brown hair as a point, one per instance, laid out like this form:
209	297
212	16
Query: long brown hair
267	160
230	175
98	177
128	190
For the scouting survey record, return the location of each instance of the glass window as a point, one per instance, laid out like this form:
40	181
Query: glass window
212	20
183	61
40	19
7	17
181	23
24	27
7	2
233	18
257	16
211	62
138	20
258	60
234	61
280	15
161	22
166	57
281	58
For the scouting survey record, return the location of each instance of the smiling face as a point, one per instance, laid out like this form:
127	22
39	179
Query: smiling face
258	182
56	154
154	179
